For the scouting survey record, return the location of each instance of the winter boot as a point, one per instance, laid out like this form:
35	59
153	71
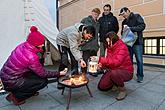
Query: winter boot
11	98
122	94
114	88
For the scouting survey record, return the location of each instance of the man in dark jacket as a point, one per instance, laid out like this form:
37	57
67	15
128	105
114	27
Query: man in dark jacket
136	24
108	23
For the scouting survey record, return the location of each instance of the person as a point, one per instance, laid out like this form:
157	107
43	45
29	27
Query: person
136	24
108	22
68	41
117	64
91	47
23	74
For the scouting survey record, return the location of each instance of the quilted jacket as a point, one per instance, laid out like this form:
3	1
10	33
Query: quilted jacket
117	57
22	61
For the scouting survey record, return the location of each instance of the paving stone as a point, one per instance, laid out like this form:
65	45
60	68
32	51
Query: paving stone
10	107
41	102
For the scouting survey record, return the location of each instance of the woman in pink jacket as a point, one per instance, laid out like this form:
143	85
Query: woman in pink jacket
118	64
22	74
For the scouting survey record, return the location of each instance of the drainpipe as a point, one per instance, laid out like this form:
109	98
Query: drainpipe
57	17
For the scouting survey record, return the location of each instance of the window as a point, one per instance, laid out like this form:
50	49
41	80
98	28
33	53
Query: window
154	46
162	46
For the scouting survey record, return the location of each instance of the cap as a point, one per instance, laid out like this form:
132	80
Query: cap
122	10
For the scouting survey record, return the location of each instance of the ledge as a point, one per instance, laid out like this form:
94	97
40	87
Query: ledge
156	57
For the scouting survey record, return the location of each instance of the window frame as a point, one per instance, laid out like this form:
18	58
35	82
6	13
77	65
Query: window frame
157	46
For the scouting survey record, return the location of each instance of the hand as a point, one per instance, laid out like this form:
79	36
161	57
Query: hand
63	72
94	58
99	66
126	26
82	63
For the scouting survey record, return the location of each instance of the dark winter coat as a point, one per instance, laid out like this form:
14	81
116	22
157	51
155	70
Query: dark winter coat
107	23
136	24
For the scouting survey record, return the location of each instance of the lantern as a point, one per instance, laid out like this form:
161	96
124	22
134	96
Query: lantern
92	66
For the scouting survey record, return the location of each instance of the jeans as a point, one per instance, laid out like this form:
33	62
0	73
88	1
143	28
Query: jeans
138	51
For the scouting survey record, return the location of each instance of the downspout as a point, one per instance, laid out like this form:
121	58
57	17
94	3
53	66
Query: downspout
57	11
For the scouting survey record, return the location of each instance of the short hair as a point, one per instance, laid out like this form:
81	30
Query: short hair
113	36
122	10
107	5
96	10
90	30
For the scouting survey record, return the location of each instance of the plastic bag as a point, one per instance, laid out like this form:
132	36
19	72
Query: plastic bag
128	37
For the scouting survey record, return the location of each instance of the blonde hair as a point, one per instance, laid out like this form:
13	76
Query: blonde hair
96	10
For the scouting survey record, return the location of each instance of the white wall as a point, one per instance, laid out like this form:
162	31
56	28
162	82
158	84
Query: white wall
11	27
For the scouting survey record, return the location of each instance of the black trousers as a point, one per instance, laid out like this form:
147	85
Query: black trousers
64	51
32	84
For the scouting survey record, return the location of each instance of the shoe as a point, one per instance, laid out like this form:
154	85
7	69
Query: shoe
36	94
122	94
115	88
60	86
139	80
11	98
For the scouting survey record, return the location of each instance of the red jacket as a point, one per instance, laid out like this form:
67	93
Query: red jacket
117	57
23	60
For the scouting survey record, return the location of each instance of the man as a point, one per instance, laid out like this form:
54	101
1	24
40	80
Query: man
108	23
91	47
136	24
68	41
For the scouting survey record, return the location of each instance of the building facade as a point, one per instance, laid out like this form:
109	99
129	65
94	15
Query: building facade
153	11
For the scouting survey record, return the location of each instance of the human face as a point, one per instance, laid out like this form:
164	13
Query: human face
109	42
125	14
95	15
87	36
40	46
106	10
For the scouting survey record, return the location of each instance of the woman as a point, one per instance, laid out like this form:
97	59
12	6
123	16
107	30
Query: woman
22	74
118	64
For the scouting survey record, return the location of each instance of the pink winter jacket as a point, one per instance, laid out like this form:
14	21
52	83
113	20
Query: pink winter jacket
22	60
117	57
